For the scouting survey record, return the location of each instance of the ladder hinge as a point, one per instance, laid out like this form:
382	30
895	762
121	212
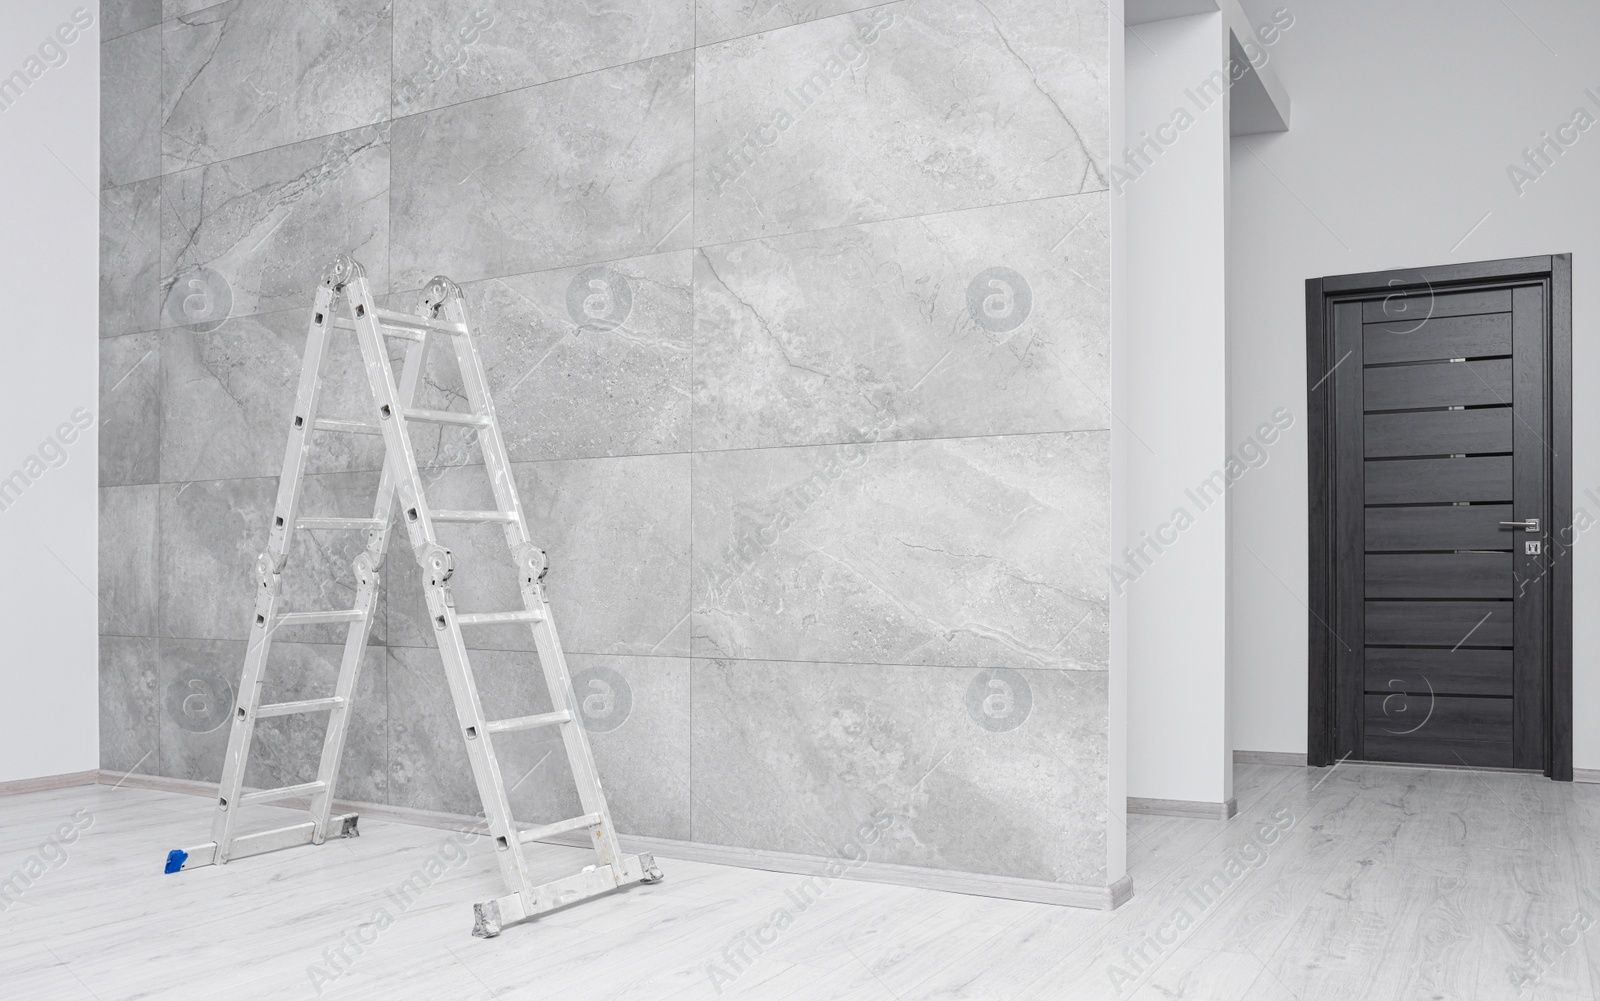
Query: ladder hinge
438	292
532	565
366	570
269	571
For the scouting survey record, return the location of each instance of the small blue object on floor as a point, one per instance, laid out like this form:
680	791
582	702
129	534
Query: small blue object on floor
175	859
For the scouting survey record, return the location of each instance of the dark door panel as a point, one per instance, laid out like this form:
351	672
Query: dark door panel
1438	339
1441	672
1439	575
1439	432
1438	384
1452	624
1433	481
1401	715
1450	527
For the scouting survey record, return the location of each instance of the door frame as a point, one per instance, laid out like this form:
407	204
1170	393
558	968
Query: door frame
1555	272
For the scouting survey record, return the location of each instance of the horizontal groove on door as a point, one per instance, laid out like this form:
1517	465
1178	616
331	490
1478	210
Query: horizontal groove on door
1438	339
1434	481
1437	384
1423	748
1436	529
1411	715
1451	624
1425	305
1444	672
1439	575
1438	432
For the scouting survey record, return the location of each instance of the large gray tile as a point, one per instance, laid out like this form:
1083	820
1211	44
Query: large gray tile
637	715
429	769
585	361
617	534
130	108
252	235
130	705
130	409
229	398
798	757
129	557
983	552
720	20
446	53
987	321
592	168
130	258
119	17
243	76
199	685
213	531
908	108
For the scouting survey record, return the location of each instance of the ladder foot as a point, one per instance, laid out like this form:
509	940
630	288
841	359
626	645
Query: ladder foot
652	872
486	919
348	828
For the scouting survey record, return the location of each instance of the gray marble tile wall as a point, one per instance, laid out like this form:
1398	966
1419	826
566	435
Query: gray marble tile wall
796	317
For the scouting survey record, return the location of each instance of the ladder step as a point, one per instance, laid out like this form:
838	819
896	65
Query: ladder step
337	523
499	618
407	333
303	706
447	417
559	827
412	328
527	722
409	321
287	792
319	618
505	517
349	427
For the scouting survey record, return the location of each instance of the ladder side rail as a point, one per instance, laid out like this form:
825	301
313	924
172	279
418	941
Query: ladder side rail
369	569
269	568
496	461
436	566
552	660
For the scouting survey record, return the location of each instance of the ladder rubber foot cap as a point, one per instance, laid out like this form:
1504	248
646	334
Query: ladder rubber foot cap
348	828
486	919
653	875
175	859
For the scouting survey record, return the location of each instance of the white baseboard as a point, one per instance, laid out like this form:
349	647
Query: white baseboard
17	787
1009	887
1183	808
1269	758
1586	775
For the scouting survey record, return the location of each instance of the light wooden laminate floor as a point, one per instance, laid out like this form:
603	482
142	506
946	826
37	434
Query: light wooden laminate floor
1355	882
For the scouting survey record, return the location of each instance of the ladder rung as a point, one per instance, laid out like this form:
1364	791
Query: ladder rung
303	706
337	523
319	618
341	323
287	792
484	516
559	827
351	427
527	722
408	321
447	417
499	618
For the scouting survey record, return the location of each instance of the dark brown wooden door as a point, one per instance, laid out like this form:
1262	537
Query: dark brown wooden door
1440	410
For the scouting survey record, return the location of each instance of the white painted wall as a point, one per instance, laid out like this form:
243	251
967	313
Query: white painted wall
1175	413
49	257
1117	666
1406	116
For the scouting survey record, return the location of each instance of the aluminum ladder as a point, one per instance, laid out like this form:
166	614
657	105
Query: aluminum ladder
344	302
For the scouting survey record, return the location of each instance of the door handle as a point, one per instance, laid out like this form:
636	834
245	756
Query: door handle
1532	524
